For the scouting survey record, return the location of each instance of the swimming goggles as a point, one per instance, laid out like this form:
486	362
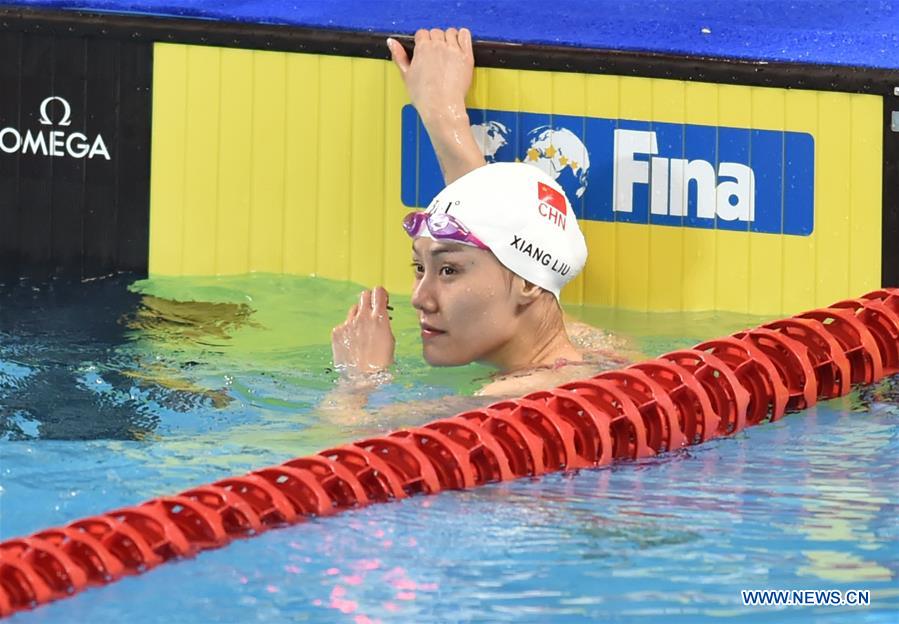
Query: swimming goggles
441	226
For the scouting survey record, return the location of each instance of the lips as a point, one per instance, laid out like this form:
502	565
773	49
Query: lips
429	331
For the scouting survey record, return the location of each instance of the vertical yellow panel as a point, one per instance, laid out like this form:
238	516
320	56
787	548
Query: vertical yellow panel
801	115
502	90
568	93
766	250
702	103
832	198
666	243
334	180
669	101
866	175
603	97
478	94
235	153
700	249
301	190
601	272
167	159
367	172
732	257
535	91
635	96
397	247
267	170
201	159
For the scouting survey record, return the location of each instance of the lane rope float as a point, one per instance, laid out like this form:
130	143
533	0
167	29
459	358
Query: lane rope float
685	397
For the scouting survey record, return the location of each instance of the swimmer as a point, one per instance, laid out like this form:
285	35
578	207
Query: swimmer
490	254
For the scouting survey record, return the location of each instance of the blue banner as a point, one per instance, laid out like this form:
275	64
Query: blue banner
681	175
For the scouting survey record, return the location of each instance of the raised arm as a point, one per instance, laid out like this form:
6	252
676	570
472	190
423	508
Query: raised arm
437	79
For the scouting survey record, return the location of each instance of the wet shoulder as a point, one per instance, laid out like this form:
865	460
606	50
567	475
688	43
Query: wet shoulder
519	384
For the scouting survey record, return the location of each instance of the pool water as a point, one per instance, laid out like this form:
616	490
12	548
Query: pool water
115	391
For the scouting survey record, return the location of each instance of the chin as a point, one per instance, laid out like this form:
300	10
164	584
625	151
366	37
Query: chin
436	357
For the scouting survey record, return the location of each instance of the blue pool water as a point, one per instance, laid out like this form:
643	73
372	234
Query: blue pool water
112	393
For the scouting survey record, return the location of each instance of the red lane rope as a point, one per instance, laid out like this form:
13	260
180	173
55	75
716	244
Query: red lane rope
684	397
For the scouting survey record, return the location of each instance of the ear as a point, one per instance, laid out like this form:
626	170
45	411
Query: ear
525	292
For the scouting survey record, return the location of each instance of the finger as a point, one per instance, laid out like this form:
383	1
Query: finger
422	35
437	35
452	37
465	42
364	303
398	54
379	301
352	313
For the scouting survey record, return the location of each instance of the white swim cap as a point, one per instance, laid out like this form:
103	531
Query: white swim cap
523	216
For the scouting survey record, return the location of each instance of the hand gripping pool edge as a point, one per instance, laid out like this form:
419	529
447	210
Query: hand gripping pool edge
681	398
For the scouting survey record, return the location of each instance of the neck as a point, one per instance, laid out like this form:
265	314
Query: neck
542	342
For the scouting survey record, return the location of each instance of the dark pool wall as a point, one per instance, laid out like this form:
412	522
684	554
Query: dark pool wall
53	333
74	155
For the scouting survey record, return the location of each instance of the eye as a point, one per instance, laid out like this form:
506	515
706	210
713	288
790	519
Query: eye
418	269
447	270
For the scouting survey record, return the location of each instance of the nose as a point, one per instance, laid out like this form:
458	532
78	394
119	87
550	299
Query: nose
423	295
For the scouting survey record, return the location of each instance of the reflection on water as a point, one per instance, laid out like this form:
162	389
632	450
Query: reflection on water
111	394
200	323
880	396
66	370
58	362
197	322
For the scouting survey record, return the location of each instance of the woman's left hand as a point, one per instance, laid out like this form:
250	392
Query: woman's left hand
364	343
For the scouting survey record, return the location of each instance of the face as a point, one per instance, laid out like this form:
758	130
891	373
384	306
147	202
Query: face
464	300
